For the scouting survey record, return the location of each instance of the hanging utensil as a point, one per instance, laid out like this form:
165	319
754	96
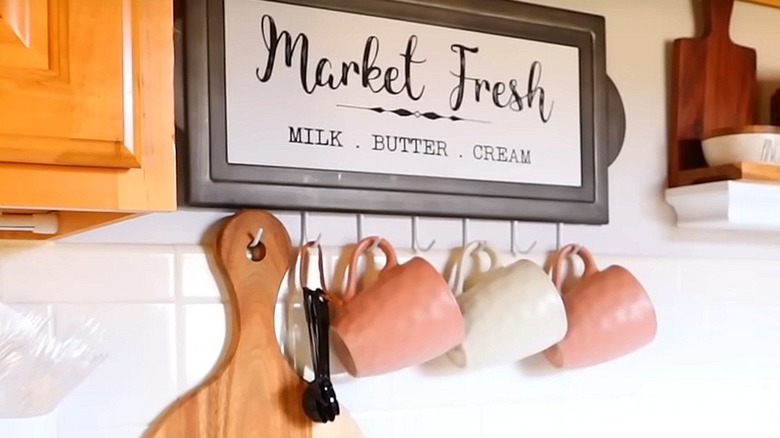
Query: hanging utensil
343	426
319	399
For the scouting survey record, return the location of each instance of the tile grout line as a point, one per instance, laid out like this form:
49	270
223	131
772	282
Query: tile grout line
179	346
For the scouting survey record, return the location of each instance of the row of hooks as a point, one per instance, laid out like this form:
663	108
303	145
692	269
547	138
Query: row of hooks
417	247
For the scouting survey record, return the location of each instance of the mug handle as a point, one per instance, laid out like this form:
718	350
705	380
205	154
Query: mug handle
564	253
362	246
458	276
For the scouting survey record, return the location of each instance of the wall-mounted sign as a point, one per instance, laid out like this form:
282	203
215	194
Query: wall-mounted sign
447	107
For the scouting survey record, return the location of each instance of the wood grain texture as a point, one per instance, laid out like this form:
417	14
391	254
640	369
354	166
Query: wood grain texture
746	171
253	392
79	96
24	33
770	3
774	108
713	87
65	130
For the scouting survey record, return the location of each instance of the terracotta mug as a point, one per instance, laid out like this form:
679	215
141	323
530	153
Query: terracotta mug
511	313
610	314
408	316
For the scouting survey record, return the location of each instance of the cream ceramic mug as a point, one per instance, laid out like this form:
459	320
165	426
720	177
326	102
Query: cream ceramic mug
511	313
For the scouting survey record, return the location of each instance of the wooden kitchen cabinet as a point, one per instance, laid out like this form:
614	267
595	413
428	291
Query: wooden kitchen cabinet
86	110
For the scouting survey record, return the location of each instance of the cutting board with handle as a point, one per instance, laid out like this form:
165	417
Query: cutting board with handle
713	87
252	392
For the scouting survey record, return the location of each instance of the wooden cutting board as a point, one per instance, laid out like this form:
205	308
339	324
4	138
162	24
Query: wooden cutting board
713	87
253	392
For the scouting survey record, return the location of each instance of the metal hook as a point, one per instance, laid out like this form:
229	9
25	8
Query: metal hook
255	251
258	237
514	250
416	247
375	245
465	232
558	227
305	230
359	219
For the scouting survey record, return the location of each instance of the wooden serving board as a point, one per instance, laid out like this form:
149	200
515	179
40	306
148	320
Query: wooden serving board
252	392
713	87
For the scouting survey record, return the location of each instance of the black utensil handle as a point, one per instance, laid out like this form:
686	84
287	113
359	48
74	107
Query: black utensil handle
310	310
323	335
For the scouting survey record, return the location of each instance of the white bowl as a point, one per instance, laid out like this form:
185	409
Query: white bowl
754	143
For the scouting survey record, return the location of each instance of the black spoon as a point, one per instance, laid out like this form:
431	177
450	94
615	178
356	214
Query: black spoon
319	398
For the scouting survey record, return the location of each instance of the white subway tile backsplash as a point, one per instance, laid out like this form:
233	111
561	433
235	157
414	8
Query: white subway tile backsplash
529	236
426	423
204	339
337	229
437	384
712	369
365	394
137	380
113	432
99	273
397	230
197	275
529	380
376	425
447	232
728	291
34	427
538	419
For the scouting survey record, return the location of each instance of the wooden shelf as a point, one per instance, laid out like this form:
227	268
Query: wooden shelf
736	171
771	3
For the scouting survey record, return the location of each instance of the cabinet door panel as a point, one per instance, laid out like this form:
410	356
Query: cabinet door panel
71	136
66	83
24	34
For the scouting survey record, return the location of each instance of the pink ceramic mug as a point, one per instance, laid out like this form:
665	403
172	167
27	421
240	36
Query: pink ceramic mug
609	313
407	317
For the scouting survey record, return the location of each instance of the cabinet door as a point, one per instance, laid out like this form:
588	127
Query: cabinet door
86	107
66	83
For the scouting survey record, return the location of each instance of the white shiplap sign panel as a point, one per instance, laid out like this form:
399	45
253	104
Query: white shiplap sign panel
310	88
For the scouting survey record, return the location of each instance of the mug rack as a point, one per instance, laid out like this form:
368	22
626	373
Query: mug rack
516	248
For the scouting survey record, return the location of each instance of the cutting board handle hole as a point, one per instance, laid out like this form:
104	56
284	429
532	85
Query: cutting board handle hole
256	253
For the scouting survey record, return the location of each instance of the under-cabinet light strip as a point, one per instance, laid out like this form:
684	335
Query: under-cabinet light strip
46	223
